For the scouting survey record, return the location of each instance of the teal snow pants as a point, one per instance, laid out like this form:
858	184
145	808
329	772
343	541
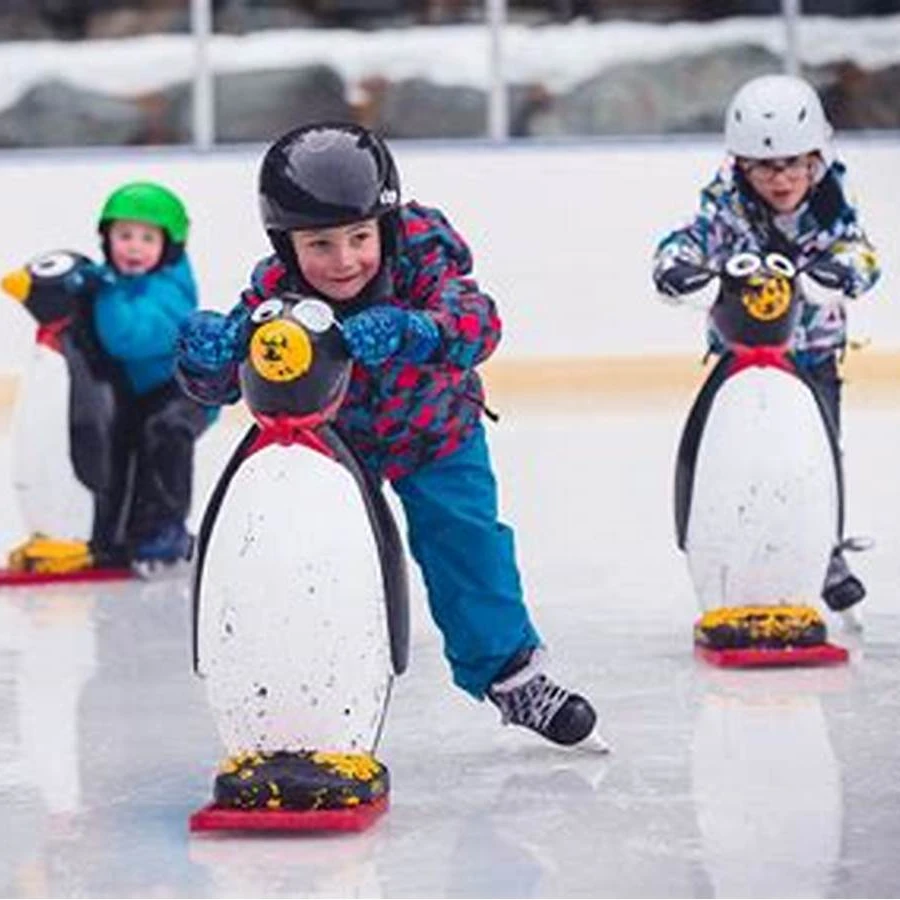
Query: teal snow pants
468	562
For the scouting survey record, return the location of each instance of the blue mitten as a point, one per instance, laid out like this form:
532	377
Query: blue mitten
377	334
88	278
208	342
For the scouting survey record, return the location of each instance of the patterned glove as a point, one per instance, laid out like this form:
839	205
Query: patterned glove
829	274
377	334
209	342
683	278
87	279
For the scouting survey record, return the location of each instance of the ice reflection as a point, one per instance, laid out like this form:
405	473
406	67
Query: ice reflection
766	782
519	842
49	648
337	865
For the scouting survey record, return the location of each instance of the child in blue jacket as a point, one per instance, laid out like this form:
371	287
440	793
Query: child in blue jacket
138	299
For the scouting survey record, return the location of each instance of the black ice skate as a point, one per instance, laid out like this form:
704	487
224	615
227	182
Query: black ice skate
842	589
526	696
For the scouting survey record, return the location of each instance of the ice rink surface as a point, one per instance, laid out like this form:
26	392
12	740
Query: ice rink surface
721	784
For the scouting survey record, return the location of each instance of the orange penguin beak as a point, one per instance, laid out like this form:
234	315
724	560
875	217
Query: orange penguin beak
17	284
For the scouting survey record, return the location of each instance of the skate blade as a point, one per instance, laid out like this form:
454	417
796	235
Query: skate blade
595	743
156	570
851	620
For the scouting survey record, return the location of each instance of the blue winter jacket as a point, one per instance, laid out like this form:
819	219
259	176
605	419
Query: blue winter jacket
137	321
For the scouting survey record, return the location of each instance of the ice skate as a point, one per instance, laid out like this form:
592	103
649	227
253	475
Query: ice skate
527	696
165	553
842	589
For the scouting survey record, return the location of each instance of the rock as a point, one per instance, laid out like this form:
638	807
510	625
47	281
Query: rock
255	106
859	98
417	108
682	94
57	114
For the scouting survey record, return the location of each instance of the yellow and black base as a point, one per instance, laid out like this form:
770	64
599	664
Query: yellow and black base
302	791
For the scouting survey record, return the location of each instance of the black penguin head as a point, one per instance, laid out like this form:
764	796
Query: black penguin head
296	364
40	285
758	304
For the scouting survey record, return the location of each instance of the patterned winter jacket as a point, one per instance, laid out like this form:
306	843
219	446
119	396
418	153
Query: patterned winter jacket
731	220
399	416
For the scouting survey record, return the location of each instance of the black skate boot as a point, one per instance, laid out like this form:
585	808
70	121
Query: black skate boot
842	589
526	696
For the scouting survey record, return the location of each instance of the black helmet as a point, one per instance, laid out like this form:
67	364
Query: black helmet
323	175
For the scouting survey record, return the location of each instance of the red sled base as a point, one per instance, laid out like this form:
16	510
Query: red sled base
14	578
762	657
351	818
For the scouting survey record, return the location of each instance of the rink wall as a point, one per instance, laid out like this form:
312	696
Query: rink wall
562	236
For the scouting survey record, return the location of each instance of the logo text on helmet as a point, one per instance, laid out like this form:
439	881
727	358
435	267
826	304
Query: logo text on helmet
388	196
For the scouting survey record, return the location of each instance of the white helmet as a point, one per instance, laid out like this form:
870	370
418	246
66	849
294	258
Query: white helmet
774	116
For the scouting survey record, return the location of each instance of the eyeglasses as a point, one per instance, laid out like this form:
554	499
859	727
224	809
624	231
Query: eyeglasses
767	169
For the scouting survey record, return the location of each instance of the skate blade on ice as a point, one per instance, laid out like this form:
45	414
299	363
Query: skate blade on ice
157	570
595	743
851	620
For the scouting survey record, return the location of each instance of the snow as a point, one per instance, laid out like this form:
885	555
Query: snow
562	235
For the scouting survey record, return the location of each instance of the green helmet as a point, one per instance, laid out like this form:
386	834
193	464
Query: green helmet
144	201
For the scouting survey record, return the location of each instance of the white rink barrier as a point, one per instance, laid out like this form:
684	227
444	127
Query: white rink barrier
562	233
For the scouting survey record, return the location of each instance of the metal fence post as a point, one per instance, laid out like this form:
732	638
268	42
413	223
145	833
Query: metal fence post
498	112
202	95
790	10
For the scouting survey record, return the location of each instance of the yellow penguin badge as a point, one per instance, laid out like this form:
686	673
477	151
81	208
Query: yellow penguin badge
766	298
280	351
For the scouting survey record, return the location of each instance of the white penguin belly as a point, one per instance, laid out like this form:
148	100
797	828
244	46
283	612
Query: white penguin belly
764	507
51	498
293	639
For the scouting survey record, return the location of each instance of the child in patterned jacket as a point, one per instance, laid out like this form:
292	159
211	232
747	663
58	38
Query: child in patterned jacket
416	324
781	190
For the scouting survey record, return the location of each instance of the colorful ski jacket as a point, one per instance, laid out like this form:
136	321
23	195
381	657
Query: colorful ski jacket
399	416
137	321
732	219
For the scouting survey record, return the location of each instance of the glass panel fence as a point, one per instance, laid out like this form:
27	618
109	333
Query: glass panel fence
656	67
94	72
410	68
121	72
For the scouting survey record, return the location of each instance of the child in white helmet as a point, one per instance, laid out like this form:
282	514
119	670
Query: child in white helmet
780	189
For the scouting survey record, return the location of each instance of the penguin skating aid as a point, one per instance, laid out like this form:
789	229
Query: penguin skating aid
63	424
300	595
758	485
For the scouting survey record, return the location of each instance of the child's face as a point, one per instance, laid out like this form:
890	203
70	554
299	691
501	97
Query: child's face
135	247
782	183
339	262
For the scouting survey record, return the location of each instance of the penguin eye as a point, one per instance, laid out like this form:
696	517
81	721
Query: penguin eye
743	264
776	262
52	265
266	311
314	315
